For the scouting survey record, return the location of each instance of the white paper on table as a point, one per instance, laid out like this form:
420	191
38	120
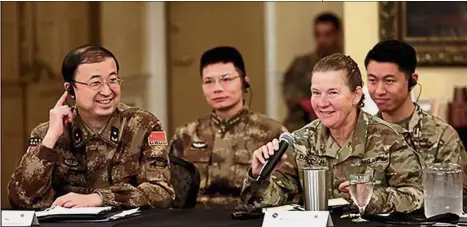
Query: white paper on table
80	210
297	219
337	202
290	207
124	214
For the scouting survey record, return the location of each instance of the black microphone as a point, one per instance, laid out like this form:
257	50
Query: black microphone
285	139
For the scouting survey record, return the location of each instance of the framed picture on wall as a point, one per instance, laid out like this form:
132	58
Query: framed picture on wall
437	30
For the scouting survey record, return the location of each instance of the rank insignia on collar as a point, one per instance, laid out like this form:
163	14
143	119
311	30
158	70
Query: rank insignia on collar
198	145
157	138
77	138
114	134
33	143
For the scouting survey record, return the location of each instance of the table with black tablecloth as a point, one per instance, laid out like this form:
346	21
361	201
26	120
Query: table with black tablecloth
192	218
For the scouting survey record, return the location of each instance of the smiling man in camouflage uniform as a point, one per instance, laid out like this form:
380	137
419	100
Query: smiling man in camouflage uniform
391	68
103	153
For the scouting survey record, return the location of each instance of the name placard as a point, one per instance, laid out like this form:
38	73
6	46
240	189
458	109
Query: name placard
297	218
19	218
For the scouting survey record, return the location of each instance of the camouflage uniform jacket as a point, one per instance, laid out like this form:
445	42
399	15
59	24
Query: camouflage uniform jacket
126	163
296	86
435	140
222	152
375	146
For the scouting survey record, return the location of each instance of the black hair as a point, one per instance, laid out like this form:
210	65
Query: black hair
329	17
83	55
394	51
224	54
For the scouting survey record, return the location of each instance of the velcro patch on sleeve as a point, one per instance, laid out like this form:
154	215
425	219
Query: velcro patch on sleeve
33	143
157	138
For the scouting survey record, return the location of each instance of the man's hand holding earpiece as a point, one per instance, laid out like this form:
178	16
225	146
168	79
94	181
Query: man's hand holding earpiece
59	116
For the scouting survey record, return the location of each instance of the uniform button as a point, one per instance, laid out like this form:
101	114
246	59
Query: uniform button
259	199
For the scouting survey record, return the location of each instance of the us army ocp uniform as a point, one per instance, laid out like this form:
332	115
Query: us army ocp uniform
374	148
126	163
222	151
435	140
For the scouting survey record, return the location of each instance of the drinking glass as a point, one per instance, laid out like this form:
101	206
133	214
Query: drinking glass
361	190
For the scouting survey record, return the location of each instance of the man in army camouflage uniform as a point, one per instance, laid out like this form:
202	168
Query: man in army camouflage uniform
347	141
103	153
220	143
391	76
296	82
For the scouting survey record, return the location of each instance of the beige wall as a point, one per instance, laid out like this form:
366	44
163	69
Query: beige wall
361	34
294	35
360	30
135	33
123	31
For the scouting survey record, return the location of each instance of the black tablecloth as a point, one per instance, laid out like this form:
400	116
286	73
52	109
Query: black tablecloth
192	218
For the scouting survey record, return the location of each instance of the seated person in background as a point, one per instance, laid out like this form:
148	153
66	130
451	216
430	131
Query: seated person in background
327	32
103	153
347	141
391	76
220	143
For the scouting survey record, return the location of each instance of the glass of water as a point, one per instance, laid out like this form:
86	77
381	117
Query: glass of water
361	190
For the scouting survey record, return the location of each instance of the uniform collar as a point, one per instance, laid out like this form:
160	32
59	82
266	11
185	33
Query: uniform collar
414	119
110	133
227	124
357	143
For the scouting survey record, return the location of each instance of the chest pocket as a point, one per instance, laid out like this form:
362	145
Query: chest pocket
310	160
70	171
376	166
243	157
244	149
200	157
378	162
197	155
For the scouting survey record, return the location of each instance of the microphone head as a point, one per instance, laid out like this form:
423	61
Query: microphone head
287	137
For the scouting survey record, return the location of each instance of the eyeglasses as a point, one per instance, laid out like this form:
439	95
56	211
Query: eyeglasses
223	80
97	83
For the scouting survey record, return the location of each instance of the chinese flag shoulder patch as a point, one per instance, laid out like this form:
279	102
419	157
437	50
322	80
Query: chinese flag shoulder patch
157	138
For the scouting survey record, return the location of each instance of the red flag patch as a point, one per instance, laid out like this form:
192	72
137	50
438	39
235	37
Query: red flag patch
157	138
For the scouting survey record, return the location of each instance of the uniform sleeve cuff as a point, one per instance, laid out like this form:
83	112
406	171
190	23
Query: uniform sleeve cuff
250	177
251	180
46	153
107	196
